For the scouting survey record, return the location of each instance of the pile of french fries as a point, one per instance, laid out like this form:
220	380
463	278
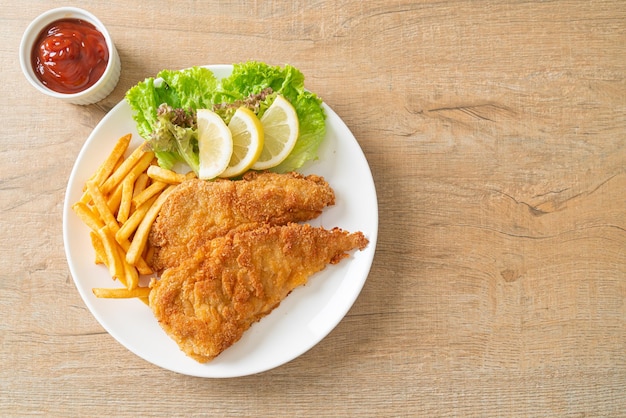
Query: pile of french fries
120	203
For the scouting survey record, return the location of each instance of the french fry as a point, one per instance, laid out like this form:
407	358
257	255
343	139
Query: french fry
121	293
96	243
102	207
99	176
141	266
114	261
130	272
139	155
141	234
152	190
133	221
143	164
94	223
130	277
114	198
123	211
166	176
140	184
126	273
105	170
86	197
87	216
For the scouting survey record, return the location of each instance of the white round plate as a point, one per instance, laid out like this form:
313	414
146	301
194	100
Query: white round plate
301	321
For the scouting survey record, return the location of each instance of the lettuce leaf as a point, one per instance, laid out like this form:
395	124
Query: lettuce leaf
191	88
198	88
175	139
312	131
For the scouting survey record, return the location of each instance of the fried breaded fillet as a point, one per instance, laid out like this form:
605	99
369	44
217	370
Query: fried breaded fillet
198	211
208	301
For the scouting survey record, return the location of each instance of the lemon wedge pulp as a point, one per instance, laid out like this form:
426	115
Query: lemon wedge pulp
248	138
281	129
215	144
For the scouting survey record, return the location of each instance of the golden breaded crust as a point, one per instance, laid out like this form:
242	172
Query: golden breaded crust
198	211
208	301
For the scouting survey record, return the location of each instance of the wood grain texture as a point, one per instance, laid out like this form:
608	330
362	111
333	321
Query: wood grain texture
495	131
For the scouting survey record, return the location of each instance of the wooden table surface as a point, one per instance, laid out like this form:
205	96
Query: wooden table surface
495	132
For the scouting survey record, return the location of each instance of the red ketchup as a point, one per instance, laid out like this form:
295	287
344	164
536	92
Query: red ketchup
69	56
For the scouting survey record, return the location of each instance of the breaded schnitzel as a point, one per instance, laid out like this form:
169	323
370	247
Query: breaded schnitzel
198	211
208	301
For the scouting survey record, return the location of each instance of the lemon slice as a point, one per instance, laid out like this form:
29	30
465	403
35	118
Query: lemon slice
247	133
281	129
215	144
